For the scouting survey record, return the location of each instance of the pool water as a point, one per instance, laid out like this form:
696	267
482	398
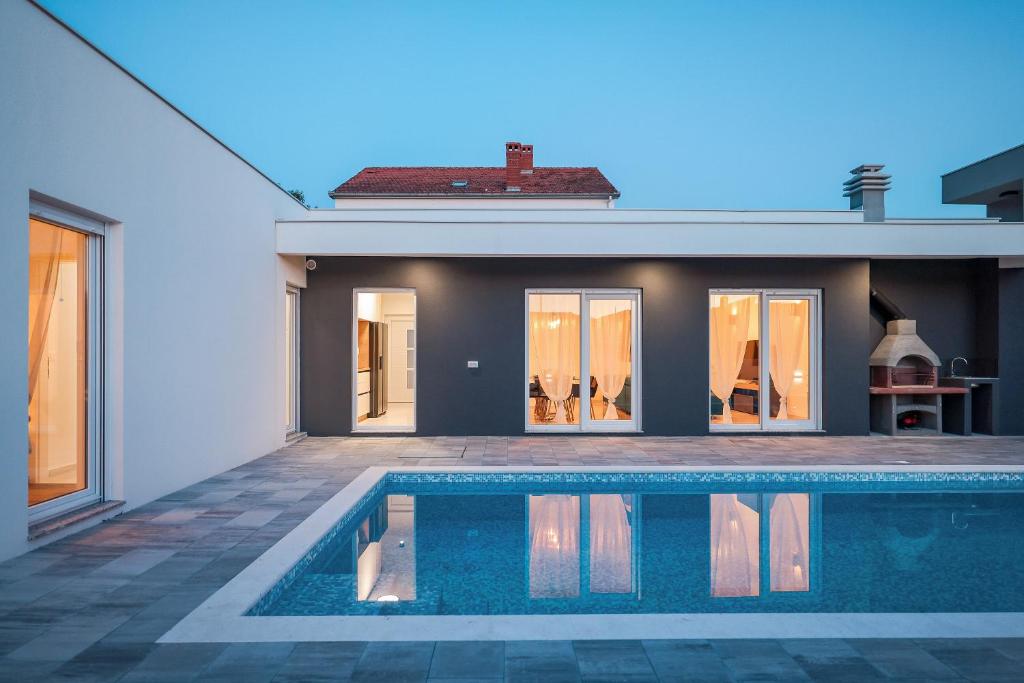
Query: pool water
605	545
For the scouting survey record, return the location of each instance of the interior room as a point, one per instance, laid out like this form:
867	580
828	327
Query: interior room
57	362
559	348
740	383
385	369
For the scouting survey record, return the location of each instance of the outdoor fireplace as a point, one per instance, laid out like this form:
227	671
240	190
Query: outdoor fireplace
902	359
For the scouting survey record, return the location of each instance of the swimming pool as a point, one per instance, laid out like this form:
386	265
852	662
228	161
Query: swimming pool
494	552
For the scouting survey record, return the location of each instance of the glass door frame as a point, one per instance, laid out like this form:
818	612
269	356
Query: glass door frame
765	423
294	293
356	428
95	231
586	424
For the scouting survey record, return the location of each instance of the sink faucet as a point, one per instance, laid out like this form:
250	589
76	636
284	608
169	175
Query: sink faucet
952	368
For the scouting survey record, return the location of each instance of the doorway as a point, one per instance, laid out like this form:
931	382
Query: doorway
384	360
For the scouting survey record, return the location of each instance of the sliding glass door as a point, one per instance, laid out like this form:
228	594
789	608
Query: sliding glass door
291	360
63	368
582	360
763	350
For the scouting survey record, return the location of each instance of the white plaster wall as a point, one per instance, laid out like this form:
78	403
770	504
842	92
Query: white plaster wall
471	203
195	301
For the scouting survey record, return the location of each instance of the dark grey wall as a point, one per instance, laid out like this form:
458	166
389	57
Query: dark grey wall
954	303
1011	350
474	309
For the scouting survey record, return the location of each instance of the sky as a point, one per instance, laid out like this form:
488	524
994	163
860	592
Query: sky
700	105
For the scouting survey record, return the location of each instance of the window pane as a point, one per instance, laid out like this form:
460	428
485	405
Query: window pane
57	359
735	544
554	546
611	359
289	360
789	542
734	350
789	335
611	543
554	373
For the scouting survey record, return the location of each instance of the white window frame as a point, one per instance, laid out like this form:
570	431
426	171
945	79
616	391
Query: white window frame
766	424
354	412
294	357
586	424
95	369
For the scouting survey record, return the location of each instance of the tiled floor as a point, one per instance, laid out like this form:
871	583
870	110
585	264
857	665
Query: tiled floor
90	607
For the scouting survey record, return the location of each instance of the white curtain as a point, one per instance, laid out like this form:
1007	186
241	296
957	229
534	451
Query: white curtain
555	353
611	544
730	325
554	546
734	547
610	338
788	333
790	536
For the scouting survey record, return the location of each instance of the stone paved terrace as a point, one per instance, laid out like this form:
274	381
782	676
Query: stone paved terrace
91	606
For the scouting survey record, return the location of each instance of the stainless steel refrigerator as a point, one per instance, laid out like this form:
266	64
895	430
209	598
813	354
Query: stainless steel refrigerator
378	369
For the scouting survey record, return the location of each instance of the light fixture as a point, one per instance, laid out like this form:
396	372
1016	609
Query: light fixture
388	598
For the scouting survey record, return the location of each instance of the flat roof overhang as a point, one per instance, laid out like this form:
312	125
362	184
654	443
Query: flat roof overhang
631	233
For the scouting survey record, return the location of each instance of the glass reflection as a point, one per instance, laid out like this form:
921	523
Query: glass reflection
611	543
734	351
386	552
554	373
735	543
789	539
554	546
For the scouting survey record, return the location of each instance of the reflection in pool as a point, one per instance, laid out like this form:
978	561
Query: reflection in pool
563	552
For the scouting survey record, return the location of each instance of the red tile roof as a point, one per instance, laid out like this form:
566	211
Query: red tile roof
426	181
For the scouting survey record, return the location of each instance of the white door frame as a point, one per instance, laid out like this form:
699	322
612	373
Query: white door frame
95	369
294	357
403	318
356	427
765	424
586	424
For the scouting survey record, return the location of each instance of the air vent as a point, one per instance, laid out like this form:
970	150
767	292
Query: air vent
460	183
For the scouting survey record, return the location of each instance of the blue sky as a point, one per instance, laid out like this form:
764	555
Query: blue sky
681	104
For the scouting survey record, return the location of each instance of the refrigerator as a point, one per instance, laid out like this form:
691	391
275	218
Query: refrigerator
378	369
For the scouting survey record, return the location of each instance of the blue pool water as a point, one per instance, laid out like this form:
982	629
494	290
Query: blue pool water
573	543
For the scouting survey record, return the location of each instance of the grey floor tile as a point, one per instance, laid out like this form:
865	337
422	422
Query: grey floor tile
469	659
400	662
977	663
249	662
539	660
613	659
903	659
685	660
321	662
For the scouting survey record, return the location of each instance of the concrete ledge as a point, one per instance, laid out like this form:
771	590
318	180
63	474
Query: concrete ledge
90	513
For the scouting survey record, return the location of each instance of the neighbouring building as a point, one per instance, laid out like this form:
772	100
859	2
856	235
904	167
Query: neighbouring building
173	313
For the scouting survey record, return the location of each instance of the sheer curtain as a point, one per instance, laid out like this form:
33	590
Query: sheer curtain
790	535
734	547
611	544
44	266
730	324
611	332
555	347
554	546
788	329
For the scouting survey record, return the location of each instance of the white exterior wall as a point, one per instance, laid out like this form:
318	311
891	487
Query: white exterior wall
195	291
511	202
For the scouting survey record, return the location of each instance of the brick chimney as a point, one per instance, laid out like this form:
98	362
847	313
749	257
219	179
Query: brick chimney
513	165
526	160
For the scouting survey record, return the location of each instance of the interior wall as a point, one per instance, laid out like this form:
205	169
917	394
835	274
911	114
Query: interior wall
195	291
475	309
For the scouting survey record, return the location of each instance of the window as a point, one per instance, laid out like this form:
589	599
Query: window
384	360
779	327
64	355
291	360
588	334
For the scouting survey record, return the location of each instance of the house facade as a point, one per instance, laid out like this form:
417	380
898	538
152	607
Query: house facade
174	313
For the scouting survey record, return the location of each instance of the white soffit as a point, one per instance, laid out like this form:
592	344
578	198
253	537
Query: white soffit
626	232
